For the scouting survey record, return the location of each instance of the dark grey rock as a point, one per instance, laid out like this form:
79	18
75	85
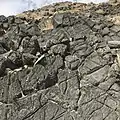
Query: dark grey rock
11	38
69	72
115	38
57	20
59	49
114	44
72	62
11	19
16	58
66	20
2	32
58	63
107	38
2	67
118	34
90	23
105	31
5	25
33	30
23	30
3	18
96	28
71	58
115	28
111	34
1	24
18	20
30	45
74	65
28	59
2	49
50	80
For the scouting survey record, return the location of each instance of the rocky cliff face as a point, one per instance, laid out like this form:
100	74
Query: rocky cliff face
67	72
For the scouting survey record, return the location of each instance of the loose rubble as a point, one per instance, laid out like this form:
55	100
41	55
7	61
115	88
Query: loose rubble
69	72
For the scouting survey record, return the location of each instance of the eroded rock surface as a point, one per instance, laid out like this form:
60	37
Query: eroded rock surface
70	72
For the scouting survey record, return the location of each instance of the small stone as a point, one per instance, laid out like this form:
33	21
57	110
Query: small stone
10	19
105	31
100	11
115	38
107	38
2	49
71	58
16	59
90	23
59	49
114	44
74	65
96	28
5	25
2	67
118	34
115	28
2	32
28	59
30	45
111	34
18	20
1	24
33	30
57	20
3	18
65	40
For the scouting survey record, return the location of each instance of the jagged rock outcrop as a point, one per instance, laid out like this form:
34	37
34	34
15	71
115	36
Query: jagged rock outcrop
46	13
70	72
114	1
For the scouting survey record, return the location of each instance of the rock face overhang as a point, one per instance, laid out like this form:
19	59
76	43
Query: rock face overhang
68	72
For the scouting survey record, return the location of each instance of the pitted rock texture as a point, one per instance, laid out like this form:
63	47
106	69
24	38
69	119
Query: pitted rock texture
70	72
